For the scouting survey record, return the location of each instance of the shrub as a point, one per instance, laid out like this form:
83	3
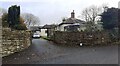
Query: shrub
20	27
4	20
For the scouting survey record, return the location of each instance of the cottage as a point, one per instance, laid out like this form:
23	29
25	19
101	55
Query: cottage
49	29
45	31
71	24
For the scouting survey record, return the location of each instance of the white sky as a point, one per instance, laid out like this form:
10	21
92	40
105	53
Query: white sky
52	11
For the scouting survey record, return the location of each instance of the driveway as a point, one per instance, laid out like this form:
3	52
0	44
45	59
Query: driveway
45	52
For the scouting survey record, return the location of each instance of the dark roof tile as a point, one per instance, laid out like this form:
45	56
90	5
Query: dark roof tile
72	21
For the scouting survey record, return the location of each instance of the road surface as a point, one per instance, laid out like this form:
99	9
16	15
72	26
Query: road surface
45	52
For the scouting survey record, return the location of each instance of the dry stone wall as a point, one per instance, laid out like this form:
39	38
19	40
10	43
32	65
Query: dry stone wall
87	38
0	41
14	41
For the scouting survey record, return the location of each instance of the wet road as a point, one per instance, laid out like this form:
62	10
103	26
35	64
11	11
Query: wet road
46	52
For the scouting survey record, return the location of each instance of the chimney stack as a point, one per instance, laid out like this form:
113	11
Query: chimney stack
72	14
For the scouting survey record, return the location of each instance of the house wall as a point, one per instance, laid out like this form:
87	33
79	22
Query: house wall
61	27
43	32
82	27
50	32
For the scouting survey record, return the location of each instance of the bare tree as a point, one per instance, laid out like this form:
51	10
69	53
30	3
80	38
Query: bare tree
2	11
104	7
90	14
30	19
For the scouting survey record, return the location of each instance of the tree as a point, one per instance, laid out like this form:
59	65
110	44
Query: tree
4	20
110	18
90	14
13	18
14	15
110	21
3	16
2	11
119	22
30	19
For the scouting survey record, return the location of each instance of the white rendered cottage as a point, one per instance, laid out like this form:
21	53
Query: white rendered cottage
71	24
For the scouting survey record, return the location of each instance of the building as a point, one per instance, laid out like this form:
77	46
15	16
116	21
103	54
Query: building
45	31
49	29
35	28
71	24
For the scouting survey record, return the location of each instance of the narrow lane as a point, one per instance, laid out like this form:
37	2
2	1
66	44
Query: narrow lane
45	52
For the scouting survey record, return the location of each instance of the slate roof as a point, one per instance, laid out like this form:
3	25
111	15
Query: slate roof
42	27
49	26
72	21
35	27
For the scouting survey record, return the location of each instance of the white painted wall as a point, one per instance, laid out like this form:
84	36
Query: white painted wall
42	32
82	27
38	32
61	28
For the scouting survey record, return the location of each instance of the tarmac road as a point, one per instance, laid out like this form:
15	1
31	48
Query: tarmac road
45	52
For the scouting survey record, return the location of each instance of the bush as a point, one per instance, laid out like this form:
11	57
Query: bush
4	20
20	27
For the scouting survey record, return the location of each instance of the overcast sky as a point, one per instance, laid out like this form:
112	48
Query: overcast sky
52	11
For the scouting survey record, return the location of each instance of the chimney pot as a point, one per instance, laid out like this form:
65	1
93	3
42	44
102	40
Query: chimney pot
72	14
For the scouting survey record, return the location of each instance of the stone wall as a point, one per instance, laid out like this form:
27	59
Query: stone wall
0	34
14	41
87	38
0	41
